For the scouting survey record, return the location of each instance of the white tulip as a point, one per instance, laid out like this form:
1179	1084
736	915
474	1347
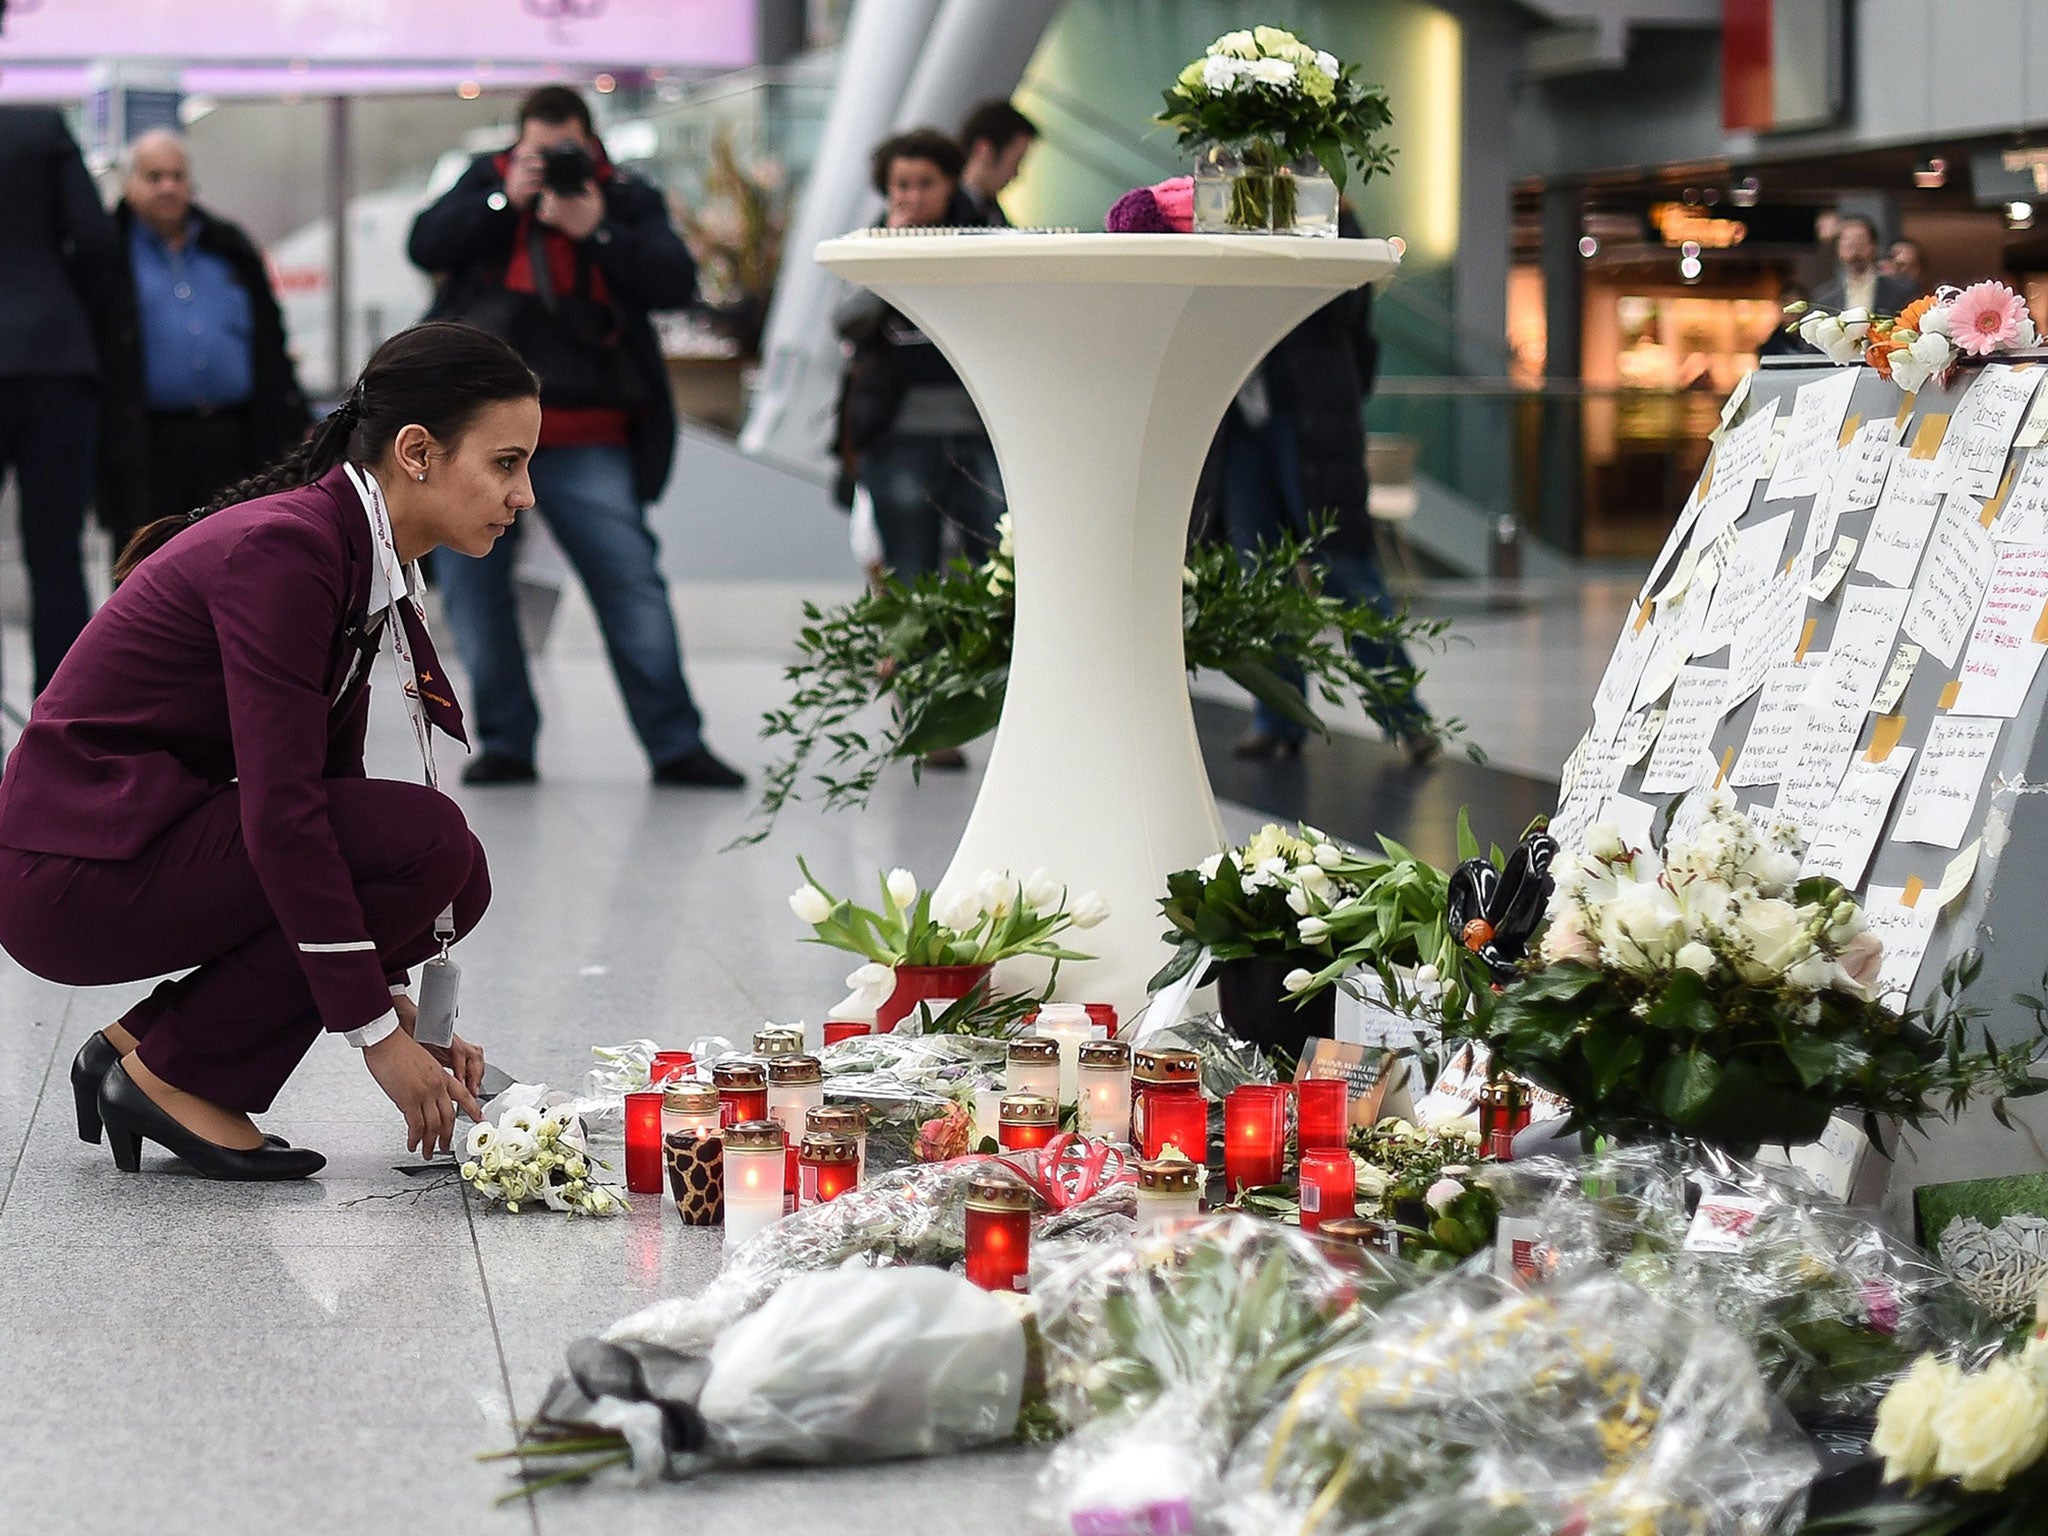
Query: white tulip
1296	980
871	977
1313	930
1042	892
997	893
1091	910
810	904
1329	855
1297	901
962	912
902	888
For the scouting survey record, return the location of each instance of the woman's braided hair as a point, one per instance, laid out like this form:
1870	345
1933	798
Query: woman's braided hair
439	375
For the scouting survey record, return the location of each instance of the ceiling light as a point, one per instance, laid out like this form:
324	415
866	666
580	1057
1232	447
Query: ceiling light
1588	246
1745	193
1689	268
2019	215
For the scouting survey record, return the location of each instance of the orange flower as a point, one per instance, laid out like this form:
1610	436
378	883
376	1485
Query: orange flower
1911	316
1879	355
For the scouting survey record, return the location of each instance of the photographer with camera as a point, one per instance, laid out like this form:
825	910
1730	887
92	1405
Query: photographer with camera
552	248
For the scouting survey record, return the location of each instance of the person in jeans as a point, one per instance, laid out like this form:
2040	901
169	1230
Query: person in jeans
549	246
907	423
202	392
60	280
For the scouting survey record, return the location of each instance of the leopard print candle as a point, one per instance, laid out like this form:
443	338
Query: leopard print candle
696	1174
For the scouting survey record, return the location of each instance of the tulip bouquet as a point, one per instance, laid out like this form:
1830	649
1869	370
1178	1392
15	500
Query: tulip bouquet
1712	992
539	1155
1925	340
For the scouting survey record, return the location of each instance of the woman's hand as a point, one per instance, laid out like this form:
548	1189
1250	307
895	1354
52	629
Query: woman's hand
466	1061
424	1091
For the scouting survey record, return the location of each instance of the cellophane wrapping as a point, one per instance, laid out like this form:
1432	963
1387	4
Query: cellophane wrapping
1477	1409
919	1091
1163	1347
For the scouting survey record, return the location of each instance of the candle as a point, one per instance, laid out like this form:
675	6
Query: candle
742	1091
1322	1113
1026	1120
988	1114
1034	1067
773	1040
689	1107
1254	1131
1503	1110
827	1167
1329	1187
753	1179
796	1086
1168	1190
998	1231
1103	1016
1168	1104
669	1065
1362	1233
1069	1026
643	1141
837	1030
696	1176
848	1120
1104	1078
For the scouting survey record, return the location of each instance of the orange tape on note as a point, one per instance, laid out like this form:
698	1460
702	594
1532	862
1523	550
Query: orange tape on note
1643	616
2040	636
1849	430
1905	410
1727	762
1911	895
1950	691
1805	639
1928	435
1886	736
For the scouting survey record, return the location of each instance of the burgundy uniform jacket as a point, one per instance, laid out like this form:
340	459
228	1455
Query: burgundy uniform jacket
239	652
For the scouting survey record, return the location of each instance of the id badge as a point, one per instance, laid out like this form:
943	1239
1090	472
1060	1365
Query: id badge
440	978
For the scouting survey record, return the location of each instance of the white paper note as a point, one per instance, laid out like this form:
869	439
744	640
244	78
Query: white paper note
1766	637
1774	728
1816	426
1904	932
1903	520
1681	759
1677	625
1945	787
1634	819
1952	581
1836	705
2001	659
1896	677
1745	579
1598	773
2034	430
2024	517
1986	419
1868	461
1738	462
1848	833
1632	651
1829	576
1641	735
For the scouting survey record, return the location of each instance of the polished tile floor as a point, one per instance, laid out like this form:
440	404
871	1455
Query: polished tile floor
183	1357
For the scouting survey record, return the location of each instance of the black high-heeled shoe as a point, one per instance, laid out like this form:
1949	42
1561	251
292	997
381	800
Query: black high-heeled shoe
88	1070
132	1116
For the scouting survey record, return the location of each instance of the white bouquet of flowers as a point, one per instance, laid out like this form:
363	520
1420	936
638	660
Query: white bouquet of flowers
533	1154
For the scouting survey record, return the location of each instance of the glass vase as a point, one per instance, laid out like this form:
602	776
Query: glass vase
1253	187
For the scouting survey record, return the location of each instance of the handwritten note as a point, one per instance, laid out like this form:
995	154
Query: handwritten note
1632	651
1678	625
1682	760
1593	782
2001	659
1641	735
1811	437
1904	931
1945	786
1835	706
1745	579
2024	517
1952	581
1766	637
1848	833
1739	460
1985	421
1829	576
1774	728
1904	518
1868	462
1634	819
1896	677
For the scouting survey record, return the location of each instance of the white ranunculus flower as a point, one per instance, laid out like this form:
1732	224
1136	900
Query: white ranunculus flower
524	1118
1208	868
1296	980
482	1137
1042	892
902	888
962	912
1091	910
1991	1426
1235	45
516	1143
1275	72
1694	957
810	904
1313	930
997	891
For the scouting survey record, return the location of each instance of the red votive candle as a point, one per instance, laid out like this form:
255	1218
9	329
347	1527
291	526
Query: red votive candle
1329	1188
1170	1078
1254	1131
1503	1110
827	1167
998	1232
1103	1016
669	1065
742	1091
1180	1121
1322	1109
1025	1121
644	1155
837	1030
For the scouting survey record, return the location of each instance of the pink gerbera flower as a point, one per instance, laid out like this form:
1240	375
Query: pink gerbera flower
1986	317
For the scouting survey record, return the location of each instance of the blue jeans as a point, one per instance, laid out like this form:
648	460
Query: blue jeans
586	495
923	485
1262	499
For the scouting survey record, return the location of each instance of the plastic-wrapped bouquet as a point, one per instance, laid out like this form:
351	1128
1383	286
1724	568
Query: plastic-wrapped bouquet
919	1091
1428	1183
539	1156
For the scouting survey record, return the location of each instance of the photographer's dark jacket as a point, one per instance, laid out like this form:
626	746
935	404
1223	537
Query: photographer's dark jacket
576	310
278	417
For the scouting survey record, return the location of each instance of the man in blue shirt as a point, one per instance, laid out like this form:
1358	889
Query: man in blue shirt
210	395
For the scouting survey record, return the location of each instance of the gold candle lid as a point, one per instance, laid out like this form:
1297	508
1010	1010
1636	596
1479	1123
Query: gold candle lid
837	1119
1169	1176
1027	1109
824	1147
1035	1048
997	1189
690	1099
778	1040
754	1136
1168	1066
1104	1053
799	1070
1361	1230
739	1074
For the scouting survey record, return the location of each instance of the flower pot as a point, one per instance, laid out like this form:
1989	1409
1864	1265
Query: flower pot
1259	1010
918	983
1252	187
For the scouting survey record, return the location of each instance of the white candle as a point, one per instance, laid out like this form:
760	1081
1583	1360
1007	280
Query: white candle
1105	1089
754	1174
1034	1067
1069	1024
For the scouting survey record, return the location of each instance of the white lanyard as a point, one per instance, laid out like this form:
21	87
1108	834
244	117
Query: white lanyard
395	581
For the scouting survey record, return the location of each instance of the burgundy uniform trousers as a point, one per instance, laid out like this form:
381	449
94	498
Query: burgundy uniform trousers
234	1028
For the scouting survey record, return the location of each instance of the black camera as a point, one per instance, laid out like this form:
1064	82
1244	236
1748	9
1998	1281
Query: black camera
566	168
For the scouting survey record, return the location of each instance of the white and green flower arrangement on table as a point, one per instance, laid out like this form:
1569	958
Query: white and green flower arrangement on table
539	1156
1271	99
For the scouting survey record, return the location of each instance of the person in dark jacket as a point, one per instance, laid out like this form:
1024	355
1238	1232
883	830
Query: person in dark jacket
189	795
994	139
1292	449
908	427
551	247
60	278
200	392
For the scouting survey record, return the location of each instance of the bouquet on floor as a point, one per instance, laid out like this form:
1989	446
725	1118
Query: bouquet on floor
919	1091
1431	1184
539	1157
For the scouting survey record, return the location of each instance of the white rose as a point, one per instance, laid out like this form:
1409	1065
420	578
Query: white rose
902	888
1313	930
1222	74
1275	72
810	904
1091	910
1296	980
1042	893
1905	1435
1695	957
1603	841
1235	45
1208	868
1770	935
962	912
1990	1426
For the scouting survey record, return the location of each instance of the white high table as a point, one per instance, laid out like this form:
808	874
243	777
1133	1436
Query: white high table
1101	365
